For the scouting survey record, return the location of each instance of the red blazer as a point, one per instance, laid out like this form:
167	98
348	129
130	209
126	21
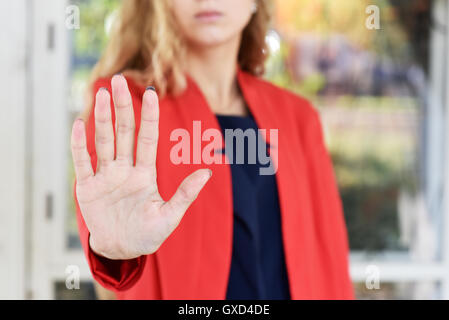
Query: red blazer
194	262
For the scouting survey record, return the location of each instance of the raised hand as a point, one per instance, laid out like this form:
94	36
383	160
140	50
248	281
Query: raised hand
120	203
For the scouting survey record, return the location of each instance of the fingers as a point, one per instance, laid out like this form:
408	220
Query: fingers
125	124
149	131
186	194
81	158
104	131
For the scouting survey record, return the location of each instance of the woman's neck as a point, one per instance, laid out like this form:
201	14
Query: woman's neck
214	70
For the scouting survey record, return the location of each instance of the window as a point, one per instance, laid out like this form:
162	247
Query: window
382	106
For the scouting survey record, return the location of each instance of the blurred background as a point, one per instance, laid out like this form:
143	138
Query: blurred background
382	94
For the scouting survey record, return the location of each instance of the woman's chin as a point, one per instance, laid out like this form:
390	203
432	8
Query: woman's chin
211	39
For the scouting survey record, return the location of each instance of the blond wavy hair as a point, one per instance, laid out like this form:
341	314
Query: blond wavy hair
146	45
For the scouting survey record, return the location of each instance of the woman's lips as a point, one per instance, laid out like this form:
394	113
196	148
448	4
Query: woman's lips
208	16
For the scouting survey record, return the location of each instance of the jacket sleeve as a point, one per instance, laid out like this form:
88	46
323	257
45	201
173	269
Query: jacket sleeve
112	274
328	210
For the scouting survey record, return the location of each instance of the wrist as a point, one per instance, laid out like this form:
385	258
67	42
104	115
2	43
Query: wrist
94	249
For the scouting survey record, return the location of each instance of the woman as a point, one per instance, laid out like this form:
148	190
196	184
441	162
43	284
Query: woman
247	235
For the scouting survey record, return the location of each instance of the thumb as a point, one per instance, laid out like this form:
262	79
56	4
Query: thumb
187	192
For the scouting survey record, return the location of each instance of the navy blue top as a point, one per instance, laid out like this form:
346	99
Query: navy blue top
258	268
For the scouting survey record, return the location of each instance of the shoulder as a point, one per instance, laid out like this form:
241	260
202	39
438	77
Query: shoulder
295	113
287	103
285	100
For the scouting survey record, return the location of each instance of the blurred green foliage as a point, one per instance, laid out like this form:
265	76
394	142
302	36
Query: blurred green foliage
91	38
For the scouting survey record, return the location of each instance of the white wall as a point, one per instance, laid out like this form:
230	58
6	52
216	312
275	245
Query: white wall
13	130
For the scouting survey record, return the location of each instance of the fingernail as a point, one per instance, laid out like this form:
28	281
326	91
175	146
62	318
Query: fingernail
150	88
118	74
104	88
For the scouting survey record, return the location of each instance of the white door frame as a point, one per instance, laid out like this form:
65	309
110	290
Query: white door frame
13	140
51	136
